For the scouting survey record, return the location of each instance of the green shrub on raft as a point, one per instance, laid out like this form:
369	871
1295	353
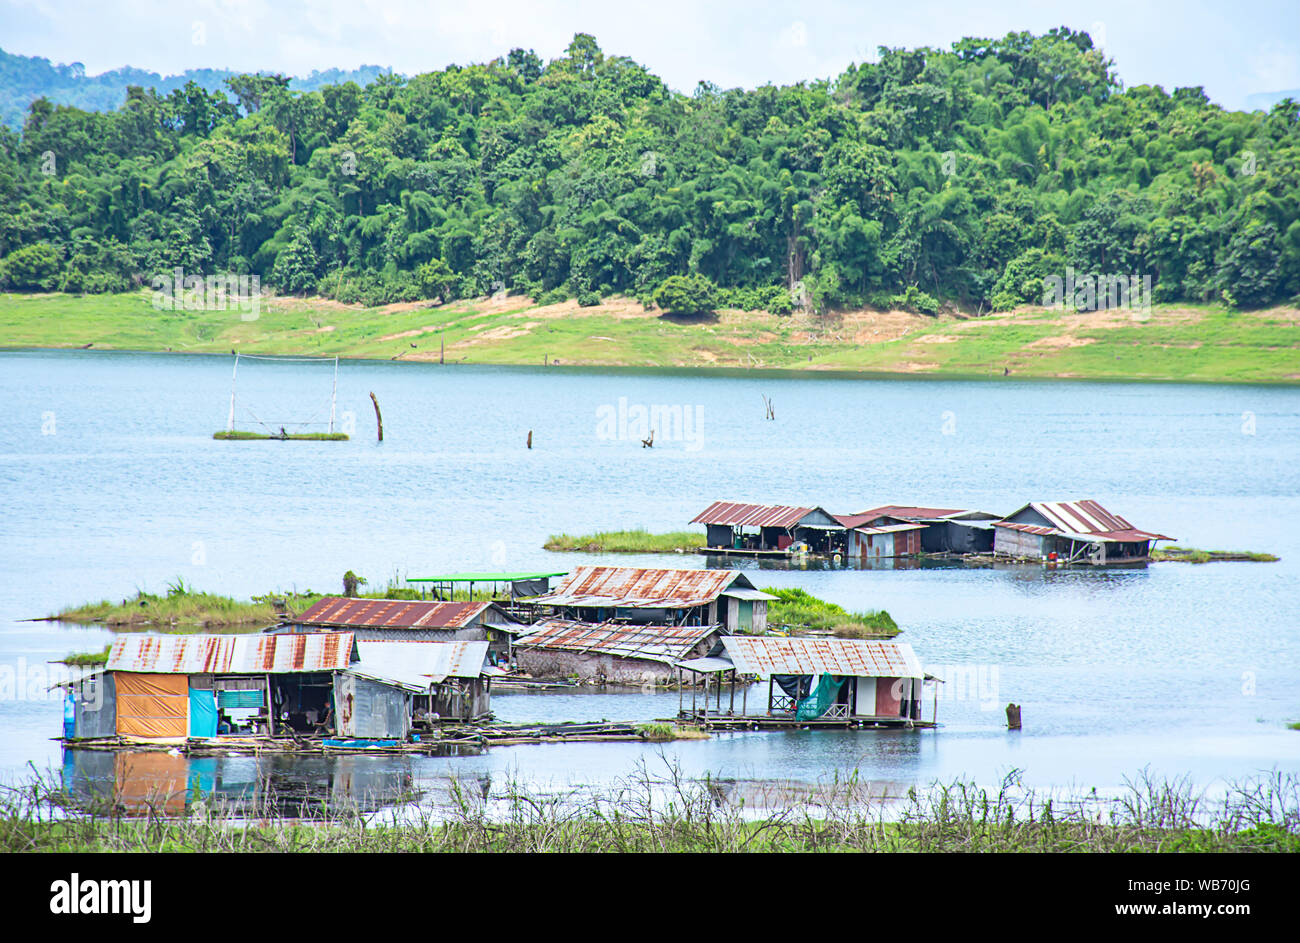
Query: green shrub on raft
800	609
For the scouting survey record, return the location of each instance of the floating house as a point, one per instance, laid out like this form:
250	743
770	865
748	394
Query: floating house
598	594
613	652
766	529
810	682
175	687
902	531
396	684
1072	532
869	537
411	621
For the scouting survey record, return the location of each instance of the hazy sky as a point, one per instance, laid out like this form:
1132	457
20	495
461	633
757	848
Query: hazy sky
1233	49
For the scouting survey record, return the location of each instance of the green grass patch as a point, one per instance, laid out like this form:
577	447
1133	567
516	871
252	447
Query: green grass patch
627	541
186	608
799	610
1193	555
88	659
660	732
182	605
1183	342
237	434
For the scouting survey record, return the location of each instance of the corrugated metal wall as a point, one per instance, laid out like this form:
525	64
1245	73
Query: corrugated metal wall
368	709
550	664
96	707
1017	543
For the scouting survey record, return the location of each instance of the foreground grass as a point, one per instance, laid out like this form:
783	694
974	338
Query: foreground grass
1193	555
1171	342
657	813
799	610
627	541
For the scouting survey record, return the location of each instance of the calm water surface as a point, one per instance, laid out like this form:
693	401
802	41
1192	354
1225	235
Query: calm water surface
110	481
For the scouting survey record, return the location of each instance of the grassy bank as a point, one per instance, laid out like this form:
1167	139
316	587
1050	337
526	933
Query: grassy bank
1261	815
627	541
1192	555
798	610
1173	342
184	606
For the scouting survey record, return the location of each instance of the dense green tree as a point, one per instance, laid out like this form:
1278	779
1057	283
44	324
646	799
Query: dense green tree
967	175
687	294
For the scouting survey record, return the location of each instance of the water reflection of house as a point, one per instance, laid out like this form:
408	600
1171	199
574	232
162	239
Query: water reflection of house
811	681
766	529
658	597
143	781
174	687
411	620
1075	531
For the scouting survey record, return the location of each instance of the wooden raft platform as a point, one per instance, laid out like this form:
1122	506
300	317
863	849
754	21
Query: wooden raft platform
766	722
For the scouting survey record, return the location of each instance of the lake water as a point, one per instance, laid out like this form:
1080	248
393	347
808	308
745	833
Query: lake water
110	481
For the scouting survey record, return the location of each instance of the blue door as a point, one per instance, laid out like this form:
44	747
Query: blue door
203	713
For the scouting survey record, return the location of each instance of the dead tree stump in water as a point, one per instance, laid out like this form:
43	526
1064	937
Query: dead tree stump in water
379	420
1013	716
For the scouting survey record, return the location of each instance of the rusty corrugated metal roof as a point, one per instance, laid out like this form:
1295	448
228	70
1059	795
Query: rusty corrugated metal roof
637	587
862	658
345	612
232	654
889	528
417	665
664	643
751	515
1081	520
909	513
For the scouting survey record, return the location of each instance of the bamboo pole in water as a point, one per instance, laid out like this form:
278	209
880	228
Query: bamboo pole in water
230	421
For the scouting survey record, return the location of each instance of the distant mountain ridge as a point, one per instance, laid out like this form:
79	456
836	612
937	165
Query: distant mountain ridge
1263	101
23	79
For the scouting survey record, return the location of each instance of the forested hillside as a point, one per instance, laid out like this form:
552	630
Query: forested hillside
964	175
